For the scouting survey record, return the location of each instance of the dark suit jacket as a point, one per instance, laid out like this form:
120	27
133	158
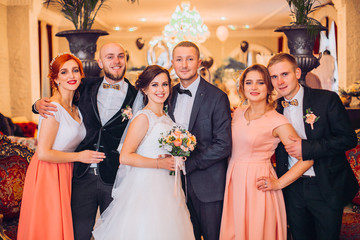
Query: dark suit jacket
103	138
326	145
210	122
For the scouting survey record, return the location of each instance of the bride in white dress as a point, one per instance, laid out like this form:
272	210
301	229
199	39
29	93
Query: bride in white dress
145	206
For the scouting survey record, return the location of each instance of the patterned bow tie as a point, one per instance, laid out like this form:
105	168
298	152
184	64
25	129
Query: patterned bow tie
288	103
184	91
107	86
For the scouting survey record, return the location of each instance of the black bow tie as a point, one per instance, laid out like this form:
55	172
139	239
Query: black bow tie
186	91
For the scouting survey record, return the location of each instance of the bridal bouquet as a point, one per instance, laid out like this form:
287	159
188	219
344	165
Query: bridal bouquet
179	143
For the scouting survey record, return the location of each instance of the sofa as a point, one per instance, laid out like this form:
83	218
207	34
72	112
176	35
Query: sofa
14	160
350	229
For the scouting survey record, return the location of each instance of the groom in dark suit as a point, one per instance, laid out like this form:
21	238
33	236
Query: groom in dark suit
314	202
204	110
101	103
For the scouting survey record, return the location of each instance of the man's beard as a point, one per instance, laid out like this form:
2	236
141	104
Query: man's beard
114	77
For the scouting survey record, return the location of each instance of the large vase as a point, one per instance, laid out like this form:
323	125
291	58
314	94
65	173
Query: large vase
83	45
301	45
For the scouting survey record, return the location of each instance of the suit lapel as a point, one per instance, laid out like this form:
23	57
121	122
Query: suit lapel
94	92
306	105
199	97
173	101
279	107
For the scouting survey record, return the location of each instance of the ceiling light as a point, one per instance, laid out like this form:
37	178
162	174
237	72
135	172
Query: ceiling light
117	28
247	26
133	29
185	24
232	27
143	19
223	18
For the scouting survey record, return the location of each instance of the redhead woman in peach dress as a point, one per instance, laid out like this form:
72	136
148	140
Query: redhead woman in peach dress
254	207
45	212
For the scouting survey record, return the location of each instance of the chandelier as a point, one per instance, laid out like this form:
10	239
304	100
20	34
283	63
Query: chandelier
185	25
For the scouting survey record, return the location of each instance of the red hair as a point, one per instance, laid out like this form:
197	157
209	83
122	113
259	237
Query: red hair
56	65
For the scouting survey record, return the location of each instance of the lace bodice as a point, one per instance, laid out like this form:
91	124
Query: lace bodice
149	146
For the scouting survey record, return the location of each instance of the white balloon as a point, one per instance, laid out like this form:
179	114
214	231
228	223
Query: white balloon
222	33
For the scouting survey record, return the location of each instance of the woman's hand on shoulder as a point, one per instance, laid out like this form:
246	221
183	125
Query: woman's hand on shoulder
89	156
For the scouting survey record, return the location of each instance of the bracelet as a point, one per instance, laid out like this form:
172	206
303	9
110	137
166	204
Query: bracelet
157	163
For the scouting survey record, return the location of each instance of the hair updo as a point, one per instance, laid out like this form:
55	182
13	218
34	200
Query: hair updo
145	78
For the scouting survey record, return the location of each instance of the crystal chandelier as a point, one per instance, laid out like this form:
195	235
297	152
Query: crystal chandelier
185	24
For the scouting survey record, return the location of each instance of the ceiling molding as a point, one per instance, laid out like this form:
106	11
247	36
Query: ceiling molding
51	17
18	2
270	15
3	2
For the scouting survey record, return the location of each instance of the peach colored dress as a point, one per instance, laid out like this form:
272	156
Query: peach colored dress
249	213
45	210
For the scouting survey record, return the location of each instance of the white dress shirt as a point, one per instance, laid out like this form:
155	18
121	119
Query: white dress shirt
184	104
109	102
295	116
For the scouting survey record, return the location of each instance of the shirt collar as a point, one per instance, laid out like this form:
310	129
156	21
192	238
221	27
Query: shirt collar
299	95
120	83
193	86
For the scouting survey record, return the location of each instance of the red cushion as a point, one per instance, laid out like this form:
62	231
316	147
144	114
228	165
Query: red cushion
28	128
12	176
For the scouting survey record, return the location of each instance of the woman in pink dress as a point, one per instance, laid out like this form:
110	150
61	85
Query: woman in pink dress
45	210
250	211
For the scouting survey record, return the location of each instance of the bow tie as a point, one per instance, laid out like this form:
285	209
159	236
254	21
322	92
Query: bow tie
107	86
186	91
288	103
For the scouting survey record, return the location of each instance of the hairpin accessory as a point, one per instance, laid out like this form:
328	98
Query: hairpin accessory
60	54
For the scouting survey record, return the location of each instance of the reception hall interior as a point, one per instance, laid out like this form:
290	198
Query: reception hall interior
231	35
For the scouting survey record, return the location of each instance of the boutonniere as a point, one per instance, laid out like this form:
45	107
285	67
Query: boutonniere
166	108
126	113
310	118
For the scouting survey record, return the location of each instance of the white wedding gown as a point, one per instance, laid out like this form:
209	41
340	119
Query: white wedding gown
145	206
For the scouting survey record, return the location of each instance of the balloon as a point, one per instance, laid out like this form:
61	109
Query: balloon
140	43
244	46
207	62
222	33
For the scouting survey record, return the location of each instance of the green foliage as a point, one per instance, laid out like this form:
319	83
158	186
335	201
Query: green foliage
81	13
300	10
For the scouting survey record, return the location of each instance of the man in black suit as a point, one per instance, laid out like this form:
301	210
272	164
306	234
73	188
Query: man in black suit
204	110
101	103
314	202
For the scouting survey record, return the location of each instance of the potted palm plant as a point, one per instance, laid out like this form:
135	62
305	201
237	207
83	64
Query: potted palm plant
82	40
301	34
